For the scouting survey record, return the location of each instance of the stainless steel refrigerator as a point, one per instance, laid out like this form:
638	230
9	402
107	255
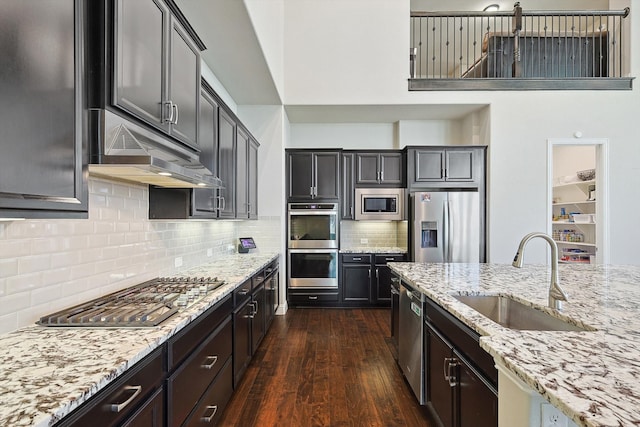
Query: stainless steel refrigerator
446	227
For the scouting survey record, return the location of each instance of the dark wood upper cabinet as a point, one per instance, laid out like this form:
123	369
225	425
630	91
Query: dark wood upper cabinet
446	167
313	174
376	169
205	201
242	156
43	156
156	68
227	163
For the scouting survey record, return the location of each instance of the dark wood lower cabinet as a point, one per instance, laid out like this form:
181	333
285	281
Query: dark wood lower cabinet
460	377
189	380
127	398
241	340
188	383
215	399
439	390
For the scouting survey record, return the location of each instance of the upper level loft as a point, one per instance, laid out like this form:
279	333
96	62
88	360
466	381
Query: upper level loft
520	50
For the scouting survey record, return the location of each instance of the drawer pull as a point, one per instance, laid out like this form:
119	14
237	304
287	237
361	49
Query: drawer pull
135	390
357	259
213	409
243	292
312	297
212	360
390	259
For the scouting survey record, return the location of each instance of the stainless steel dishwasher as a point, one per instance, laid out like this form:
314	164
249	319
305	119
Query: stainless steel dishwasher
410	357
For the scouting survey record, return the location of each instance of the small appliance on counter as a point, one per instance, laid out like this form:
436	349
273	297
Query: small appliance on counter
245	244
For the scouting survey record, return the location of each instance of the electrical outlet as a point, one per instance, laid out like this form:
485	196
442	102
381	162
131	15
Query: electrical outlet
177	262
364	241
209	252
552	417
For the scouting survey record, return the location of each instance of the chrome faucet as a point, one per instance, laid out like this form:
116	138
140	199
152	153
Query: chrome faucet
556	294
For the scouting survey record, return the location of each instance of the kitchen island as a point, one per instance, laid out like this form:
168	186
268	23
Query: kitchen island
47	372
591	376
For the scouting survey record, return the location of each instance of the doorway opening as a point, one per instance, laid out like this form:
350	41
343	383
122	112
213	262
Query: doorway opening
578	199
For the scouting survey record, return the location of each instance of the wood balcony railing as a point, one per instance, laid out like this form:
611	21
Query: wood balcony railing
519	50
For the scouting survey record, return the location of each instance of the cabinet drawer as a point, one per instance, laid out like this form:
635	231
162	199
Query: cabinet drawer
356	258
212	404
192	378
242	293
185	341
385	258
122	397
308	298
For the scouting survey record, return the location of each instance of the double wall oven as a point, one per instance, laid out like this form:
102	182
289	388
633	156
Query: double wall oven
313	244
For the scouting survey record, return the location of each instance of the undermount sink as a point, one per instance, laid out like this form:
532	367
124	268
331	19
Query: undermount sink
514	315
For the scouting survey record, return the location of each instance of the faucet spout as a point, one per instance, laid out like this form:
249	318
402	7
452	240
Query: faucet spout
556	294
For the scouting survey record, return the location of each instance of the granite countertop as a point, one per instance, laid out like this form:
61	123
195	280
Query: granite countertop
373	250
45	372
592	376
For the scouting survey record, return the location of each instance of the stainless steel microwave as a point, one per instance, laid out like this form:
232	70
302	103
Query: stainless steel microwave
385	204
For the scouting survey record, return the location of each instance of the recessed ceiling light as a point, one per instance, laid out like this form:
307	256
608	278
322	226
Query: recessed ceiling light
491	8
164	173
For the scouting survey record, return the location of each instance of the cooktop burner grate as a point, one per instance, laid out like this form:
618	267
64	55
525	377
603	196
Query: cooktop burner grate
145	305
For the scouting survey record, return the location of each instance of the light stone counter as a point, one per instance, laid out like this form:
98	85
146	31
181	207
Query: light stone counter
373	250
45	373
592	377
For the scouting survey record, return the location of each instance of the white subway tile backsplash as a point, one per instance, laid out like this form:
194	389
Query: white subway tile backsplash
47	265
8	267
13	303
23	283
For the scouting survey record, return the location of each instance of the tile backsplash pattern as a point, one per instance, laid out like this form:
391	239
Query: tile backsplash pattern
376	233
47	265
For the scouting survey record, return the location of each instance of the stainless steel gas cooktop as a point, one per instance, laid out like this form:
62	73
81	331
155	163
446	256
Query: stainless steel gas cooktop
144	305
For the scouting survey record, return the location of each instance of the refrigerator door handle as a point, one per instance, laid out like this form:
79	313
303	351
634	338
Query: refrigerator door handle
447	232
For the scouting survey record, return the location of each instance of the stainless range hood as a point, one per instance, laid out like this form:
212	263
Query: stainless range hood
122	149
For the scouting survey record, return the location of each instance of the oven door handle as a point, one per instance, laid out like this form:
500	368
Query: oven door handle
313	251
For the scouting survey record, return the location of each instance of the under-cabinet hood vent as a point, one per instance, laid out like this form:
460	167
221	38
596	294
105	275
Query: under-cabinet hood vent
124	150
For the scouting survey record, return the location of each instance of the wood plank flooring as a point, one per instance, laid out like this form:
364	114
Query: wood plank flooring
325	367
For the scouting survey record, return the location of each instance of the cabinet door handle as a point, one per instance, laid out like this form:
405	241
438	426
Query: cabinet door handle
381	176
369	273
449	364
224	203
175	120
135	390
207	419
311	192
213	360
169	119
255	307
377	273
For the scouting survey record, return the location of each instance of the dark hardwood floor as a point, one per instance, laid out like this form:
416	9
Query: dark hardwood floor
325	367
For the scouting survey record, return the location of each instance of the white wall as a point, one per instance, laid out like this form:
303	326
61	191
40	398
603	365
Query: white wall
345	52
322	67
348	136
267	18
